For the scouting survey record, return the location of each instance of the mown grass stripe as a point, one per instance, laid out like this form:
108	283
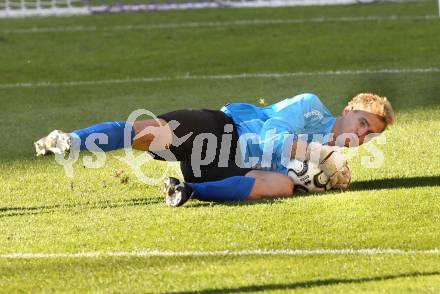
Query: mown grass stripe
222	77
158	253
243	22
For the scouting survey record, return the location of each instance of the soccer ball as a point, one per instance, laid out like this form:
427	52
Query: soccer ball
307	176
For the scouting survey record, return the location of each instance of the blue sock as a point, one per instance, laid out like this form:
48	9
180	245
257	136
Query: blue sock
114	131
230	189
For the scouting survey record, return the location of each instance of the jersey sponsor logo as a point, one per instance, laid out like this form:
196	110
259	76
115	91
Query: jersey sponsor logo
314	112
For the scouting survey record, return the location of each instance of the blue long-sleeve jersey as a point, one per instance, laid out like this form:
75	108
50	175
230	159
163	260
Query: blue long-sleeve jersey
266	133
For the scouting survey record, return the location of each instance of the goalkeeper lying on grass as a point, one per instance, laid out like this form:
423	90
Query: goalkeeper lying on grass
240	152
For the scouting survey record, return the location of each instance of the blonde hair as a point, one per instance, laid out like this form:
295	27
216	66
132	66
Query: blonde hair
374	104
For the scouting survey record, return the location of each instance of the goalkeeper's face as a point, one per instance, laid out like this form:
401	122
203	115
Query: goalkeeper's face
360	124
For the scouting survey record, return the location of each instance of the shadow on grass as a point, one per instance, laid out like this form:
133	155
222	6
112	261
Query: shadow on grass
395	183
33	210
391	183
311	284
268	201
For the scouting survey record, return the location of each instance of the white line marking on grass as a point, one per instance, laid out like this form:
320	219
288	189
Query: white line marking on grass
221	77
72	29
158	253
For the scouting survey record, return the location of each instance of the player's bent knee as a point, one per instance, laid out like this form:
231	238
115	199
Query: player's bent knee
284	186
270	184
288	187
258	190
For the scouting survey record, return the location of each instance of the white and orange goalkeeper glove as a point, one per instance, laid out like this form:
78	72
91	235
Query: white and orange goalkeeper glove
341	180
332	162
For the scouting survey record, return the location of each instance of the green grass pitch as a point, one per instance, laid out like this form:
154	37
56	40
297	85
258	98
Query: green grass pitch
49	79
